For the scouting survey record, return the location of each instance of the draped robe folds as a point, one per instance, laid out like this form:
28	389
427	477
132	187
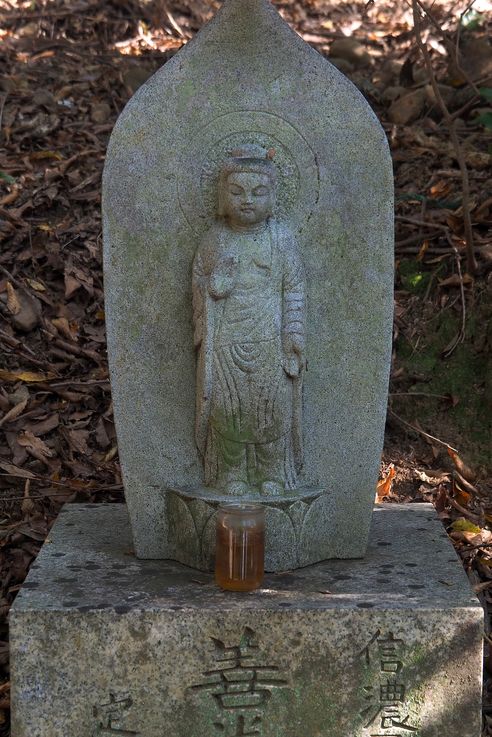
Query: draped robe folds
248	308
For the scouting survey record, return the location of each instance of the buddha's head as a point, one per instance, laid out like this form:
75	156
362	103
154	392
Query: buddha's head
247	187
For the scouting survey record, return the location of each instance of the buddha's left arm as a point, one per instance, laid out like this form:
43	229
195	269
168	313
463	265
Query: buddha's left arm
198	291
294	300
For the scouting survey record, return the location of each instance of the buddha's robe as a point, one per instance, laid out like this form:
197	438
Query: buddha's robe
248	304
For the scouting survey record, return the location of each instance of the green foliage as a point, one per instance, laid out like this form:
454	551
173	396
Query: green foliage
412	278
6	177
486	92
472	20
485	118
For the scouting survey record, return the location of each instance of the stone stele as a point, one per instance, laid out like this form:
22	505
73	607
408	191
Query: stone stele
105	644
247	205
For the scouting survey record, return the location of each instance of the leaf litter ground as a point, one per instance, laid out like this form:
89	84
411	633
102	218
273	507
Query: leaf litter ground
67	68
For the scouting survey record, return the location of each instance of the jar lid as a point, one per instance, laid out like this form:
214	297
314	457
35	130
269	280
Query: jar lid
238	508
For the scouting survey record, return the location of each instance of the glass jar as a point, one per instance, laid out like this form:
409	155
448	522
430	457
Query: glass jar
240	548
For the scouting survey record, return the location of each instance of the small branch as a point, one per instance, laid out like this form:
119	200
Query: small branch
461	335
72	348
466	484
416	221
416	239
103	383
12	278
456	55
469	515
418	394
24	351
419	431
61	485
451	123
452	48
3	100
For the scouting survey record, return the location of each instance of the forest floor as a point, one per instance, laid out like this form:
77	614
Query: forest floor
67	68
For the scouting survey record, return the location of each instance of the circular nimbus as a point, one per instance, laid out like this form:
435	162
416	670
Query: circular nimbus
295	161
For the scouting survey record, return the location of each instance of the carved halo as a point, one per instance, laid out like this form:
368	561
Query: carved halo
295	163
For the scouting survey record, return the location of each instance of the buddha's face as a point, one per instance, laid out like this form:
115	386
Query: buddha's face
248	198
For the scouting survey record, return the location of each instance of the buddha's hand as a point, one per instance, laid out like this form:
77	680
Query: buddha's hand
294	355
223	277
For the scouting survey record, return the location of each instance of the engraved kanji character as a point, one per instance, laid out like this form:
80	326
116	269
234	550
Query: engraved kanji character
390	692
391	718
388	653
238	682
109	714
240	686
366	651
371	712
241	725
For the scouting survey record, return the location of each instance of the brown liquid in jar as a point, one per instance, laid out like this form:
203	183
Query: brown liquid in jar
240	549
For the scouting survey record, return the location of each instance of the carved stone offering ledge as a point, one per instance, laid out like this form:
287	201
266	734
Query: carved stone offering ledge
105	644
248	258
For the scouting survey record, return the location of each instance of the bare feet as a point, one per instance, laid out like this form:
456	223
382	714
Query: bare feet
236	488
272	488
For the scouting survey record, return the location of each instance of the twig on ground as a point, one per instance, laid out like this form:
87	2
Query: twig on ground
103	383
456	55
3	100
12	278
418	394
452	48
73	349
461	335
54	494
419	431
416	221
464	483
451	123
61	484
465	512
418	238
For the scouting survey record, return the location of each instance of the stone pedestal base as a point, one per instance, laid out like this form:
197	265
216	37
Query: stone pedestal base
296	527
105	644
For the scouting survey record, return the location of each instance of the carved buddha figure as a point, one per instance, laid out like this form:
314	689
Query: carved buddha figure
249	315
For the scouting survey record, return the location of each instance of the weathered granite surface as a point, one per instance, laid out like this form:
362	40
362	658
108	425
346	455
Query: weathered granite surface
249	79
104	643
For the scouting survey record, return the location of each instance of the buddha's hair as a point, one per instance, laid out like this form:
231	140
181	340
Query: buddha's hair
250	159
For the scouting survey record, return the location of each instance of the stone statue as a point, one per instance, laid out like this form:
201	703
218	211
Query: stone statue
249	320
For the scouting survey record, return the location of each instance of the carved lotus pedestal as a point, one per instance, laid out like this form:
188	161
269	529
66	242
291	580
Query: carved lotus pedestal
104	644
298	527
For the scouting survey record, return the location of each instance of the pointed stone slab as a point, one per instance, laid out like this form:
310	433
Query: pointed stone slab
248	78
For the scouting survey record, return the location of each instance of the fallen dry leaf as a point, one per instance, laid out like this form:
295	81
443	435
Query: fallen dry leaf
14	412
13	304
463	469
27	376
32	442
385	484
16	471
431	479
